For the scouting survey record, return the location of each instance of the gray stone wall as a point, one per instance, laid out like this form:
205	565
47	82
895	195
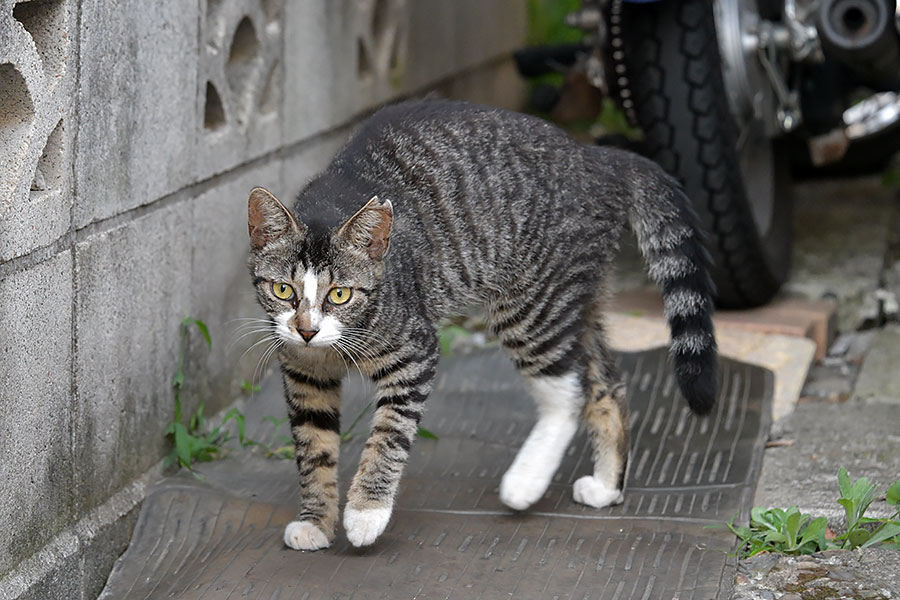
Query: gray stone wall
130	134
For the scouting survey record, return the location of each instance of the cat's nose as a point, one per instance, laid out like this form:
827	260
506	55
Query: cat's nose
306	334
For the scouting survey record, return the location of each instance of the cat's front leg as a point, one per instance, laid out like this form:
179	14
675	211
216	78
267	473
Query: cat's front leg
313	409
402	387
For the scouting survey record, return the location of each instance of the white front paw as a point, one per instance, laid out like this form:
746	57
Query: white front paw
519	492
589	490
364	526
303	535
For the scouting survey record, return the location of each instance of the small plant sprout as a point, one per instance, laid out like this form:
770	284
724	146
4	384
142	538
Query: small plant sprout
791	532
197	441
249	388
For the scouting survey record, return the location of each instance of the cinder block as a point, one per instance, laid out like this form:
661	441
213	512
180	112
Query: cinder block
239	99
133	287
61	582
35	407
320	67
497	84
137	85
346	57
449	37
310	159
37	55
224	292
99	555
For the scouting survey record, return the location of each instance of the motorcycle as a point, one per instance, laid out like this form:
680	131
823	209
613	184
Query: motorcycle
736	97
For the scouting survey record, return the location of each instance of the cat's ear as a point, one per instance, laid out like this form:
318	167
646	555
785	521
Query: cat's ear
369	229
268	219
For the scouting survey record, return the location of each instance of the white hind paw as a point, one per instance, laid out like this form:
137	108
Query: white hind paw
303	535
519	491
589	490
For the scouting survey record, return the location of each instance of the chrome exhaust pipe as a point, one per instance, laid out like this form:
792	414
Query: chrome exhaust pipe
863	35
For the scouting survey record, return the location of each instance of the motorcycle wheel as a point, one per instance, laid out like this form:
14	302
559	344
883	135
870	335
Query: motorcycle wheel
666	60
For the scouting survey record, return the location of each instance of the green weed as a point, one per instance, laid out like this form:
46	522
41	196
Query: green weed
791	532
249	388
448	335
197	441
279	445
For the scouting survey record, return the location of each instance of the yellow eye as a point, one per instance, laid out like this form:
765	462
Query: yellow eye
339	295
282	290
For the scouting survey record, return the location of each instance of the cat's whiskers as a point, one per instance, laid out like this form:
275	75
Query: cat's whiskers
268	338
369	334
363	349
260	369
237	339
340	354
337	343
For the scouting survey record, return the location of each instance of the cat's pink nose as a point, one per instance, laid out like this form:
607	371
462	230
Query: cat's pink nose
307	335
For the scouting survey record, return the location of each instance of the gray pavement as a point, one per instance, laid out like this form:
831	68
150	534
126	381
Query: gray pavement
849	412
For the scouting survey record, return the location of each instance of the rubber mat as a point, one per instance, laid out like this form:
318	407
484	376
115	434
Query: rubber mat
450	537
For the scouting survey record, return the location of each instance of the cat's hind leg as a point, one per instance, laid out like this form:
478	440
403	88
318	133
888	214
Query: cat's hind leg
605	418
558	400
541	331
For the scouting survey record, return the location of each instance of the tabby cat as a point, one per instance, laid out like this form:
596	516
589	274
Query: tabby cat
434	205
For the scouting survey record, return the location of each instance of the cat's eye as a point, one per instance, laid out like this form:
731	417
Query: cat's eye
282	290
339	295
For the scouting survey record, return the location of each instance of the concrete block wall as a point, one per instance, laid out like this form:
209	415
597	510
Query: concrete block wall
130	135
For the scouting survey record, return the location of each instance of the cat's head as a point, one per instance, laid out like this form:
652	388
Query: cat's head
317	284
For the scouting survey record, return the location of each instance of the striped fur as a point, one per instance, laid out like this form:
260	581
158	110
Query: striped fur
432	206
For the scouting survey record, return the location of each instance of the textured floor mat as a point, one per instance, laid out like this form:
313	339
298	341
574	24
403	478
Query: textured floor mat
450	537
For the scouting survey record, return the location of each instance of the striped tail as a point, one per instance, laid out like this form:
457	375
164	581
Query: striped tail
672	245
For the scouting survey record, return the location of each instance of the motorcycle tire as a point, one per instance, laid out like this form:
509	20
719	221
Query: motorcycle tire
670	69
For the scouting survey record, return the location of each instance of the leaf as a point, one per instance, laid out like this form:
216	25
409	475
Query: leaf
857	537
763	517
847	503
815	532
448	335
792	528
893	494
249	388
886	532
178	380
425	434
776	536
238	417
205	331
183	444
844	482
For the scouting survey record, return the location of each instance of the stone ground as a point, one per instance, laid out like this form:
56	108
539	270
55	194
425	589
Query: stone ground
849	410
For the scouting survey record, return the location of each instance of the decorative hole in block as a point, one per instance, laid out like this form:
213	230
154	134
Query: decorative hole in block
51	166
268	100
380	19
244	60
213	111
381	41
16	118
45	20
